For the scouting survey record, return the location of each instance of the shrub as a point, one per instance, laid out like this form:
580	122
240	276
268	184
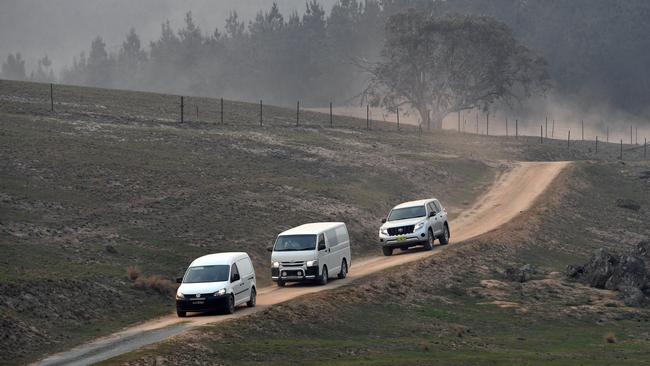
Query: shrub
610	338
159	284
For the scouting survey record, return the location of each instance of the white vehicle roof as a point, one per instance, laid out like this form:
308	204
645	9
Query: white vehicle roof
218	258
414	203
313	228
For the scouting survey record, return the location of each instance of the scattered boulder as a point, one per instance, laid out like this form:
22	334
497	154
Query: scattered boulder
628	204
628	274
521	274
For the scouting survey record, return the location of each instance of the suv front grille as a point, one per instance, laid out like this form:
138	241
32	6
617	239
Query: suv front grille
400	230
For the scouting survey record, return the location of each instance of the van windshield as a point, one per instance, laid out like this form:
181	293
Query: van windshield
407	213
290	243
199	274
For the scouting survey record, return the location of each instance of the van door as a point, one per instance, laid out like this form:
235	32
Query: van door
237	285
335	247
247	276
343	246
323	252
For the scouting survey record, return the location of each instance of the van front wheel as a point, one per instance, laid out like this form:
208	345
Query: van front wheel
387	251
181	314
344	269
229	306
322	280
281	283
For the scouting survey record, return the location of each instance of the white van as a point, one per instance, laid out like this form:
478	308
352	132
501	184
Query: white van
311	252
217	282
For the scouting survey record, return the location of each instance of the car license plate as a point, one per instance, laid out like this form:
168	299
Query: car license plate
401	238
197	302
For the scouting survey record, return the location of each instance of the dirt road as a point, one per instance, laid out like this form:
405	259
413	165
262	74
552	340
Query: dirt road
512	193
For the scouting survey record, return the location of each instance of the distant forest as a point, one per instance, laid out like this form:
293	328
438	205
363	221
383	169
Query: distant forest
598	50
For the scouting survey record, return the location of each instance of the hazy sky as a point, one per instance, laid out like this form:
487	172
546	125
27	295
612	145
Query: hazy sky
63	28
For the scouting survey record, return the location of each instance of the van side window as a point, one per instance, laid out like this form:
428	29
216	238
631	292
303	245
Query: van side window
321	242
244	266
233	270
439	208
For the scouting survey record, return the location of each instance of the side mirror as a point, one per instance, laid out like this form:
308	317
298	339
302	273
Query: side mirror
432	214
269	248
235	277
383	221
179	279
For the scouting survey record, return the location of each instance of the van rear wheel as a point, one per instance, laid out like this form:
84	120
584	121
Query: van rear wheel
387	251
253	299
344	269
322	280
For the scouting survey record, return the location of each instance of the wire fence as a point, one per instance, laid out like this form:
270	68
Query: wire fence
132	107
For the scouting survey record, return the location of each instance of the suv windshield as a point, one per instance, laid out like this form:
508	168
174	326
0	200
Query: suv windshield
199	274
407	213
290	243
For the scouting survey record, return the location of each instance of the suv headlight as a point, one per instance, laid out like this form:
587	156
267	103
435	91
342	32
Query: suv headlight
313	263
419	225
383	231
179	295
275	264
220	292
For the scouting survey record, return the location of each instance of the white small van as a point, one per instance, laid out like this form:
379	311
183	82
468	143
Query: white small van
311	252
219	281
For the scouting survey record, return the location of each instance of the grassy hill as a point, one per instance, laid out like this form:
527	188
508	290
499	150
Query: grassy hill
111	180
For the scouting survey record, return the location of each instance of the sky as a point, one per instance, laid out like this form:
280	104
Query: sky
63	28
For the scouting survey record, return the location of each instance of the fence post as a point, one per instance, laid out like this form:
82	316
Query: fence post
636	136
546	126
506	126
51	97
458	121
182	109
297	113
367	117
487	123
516	128
221	110
553	129
477	122
428	121
621	149
541	134
261	112
645	147
331	114
197	113
397	118
608	134
568	140
596	144
631	139
582	122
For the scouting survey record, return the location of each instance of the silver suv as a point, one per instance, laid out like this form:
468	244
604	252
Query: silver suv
414	223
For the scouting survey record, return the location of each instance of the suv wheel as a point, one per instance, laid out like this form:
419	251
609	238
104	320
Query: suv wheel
253	299
344	269
430	239
387	251
181	314
281	283
444	239
322	280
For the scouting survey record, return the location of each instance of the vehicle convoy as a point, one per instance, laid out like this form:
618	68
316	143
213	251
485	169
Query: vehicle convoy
414	223
219	281
311	252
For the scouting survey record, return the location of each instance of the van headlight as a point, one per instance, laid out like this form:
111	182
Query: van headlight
419	225
179	295
313	263
220	292
383	231
275	264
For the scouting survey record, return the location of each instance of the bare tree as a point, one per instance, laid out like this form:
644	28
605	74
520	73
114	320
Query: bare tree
441	65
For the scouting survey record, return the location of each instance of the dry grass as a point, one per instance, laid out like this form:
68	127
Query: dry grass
610	337
156	283
133	272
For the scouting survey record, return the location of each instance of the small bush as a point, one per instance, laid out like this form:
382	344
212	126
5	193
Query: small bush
159	284
133	272
610	338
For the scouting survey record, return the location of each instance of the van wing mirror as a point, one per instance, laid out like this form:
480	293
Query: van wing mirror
269	248
432	214
179	279
383	221
235	277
